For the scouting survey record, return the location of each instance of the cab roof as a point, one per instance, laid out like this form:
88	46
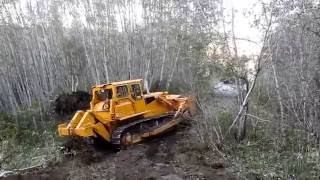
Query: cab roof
119	83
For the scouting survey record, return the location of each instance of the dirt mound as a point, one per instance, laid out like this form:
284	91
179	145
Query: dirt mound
68	103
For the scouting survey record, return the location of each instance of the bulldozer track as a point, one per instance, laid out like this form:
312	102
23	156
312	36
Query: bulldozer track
116	138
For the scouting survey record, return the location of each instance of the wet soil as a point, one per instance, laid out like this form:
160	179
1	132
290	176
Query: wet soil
174	156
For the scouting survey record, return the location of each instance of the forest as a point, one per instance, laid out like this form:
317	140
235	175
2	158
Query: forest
269	130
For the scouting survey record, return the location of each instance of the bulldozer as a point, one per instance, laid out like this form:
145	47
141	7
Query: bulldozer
121	113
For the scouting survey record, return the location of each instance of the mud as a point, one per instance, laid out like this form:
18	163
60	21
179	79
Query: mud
173	156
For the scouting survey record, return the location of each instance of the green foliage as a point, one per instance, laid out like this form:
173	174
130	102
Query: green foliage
224	118
229	70
26	143
259	157
261	96
7	126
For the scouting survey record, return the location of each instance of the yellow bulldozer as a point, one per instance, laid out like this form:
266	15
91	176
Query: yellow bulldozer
122	114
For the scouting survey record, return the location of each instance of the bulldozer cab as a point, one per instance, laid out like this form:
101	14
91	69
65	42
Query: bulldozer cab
121	98
129	99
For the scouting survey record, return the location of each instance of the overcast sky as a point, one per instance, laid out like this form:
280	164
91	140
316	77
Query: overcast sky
243	24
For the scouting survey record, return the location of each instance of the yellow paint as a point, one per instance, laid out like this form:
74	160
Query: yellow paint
116	102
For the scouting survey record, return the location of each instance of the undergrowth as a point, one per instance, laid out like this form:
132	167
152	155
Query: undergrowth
261	157
266	152
25	143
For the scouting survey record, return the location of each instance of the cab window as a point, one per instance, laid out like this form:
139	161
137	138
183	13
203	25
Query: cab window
104	94
135	90
122	91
